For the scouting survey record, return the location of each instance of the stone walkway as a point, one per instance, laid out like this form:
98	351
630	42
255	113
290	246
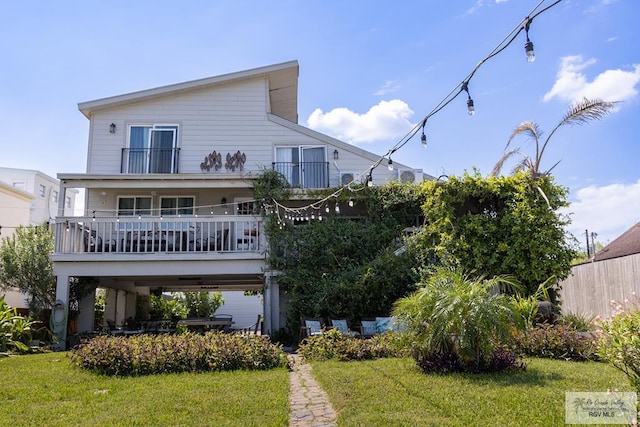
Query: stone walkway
310	404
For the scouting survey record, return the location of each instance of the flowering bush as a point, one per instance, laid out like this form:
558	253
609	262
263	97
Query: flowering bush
332	344
155	354
620	342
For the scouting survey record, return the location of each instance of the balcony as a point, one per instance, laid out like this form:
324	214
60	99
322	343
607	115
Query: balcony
304	174
158	235
149	160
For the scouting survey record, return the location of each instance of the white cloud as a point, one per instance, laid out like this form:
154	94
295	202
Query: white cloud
388	86
384	121
611	85
608	210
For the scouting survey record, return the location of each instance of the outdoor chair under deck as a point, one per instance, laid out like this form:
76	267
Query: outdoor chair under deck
310	326
345	327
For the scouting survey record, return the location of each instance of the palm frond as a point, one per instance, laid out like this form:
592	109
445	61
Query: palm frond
531	129
506	156
586	110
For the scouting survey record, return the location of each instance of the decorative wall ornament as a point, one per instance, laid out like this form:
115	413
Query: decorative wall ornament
212	161
235	161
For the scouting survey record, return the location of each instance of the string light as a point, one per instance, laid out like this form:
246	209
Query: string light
390	164
470	107
528	46
423	137
350	201
337	209
93	216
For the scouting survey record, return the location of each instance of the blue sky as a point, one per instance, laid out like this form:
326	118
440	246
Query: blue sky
369	71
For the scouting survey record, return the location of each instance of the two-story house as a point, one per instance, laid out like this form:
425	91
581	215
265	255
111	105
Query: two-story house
169	202
29	198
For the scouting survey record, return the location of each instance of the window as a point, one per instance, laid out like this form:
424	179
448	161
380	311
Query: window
54	196
68	201
152	149
173	206
128	206
245	208
305	167
42	190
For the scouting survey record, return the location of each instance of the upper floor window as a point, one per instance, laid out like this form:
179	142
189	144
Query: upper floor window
42	190
303	166
151	149
173	206
54	196
68	201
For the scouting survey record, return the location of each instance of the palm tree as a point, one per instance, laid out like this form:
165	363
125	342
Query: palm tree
579	113
454	313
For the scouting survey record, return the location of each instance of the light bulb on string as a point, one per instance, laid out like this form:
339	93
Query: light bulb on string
327	208
528	46
423	139
390	164
350	202
369	181
470	106
93	216
337	209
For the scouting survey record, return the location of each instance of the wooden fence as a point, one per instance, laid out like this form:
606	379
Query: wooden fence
591	287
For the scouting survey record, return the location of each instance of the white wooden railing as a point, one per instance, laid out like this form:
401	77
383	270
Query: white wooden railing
225	233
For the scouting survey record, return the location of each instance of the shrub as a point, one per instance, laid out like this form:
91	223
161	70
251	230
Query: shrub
15	330
189	352
458	316
620	343
559	341
332	344
580	322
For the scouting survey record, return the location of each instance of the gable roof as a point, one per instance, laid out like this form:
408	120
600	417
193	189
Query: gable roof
283	90
628	243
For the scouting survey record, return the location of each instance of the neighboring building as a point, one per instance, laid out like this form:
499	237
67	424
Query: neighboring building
169	203
28	198
613	274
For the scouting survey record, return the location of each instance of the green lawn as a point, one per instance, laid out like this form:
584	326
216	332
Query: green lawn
46	390
392	392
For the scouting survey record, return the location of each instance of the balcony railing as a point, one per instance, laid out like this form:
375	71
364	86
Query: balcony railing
158	235
304	174
149	160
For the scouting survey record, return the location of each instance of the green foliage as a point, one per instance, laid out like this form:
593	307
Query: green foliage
332	344
15	330
579	321
271	185
496	226
163	308
620	343
340	268
199	304
25	265
454	314
188	352
557	342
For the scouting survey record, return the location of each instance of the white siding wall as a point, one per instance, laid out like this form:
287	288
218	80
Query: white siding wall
226	119
243	308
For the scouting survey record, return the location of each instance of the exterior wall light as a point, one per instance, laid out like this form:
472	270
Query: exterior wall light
112	128
336	155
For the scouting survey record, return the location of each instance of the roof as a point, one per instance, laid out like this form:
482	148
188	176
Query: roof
628	243
283	90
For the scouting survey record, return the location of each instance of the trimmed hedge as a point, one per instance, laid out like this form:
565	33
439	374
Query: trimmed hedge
332	344
189	352
558	342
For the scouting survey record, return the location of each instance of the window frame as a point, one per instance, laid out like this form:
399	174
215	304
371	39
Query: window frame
147	159
297	176
42	191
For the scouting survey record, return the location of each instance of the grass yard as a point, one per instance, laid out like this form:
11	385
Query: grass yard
392	392
46	390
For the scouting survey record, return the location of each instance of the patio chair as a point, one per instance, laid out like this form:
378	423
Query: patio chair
345	327
112	329
310	326
369	327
